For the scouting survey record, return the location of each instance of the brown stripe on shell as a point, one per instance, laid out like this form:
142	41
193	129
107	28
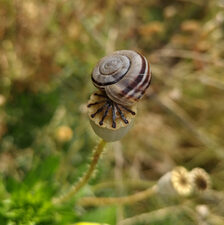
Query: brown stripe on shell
132	85
149	81
136	81
139	89
146	81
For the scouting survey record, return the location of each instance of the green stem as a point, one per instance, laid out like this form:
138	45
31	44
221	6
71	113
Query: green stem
85	178
94	201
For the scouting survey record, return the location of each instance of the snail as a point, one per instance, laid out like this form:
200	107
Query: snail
122	79
123	75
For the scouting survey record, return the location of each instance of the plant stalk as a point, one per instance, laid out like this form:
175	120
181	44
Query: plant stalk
87	175
95	201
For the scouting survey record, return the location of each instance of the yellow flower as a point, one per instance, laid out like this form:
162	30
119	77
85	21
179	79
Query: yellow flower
64	133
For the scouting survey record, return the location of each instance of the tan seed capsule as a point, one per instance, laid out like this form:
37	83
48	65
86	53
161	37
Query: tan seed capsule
201	179
109	120
175	183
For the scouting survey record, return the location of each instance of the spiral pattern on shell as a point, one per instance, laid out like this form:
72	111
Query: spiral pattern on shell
124	76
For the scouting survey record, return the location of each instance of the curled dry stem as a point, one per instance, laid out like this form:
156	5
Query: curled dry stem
85	178
95	201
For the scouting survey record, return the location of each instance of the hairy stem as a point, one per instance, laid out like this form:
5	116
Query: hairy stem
87	175
94	201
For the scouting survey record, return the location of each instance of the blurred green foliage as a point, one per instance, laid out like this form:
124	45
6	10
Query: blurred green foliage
28	112
47	52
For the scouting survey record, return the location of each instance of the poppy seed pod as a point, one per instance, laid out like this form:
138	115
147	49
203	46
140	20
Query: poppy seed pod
201	179
175	183
110	124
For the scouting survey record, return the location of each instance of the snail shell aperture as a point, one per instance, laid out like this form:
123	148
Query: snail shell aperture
124	76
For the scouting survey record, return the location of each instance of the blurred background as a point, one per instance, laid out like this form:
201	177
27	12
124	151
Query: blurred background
47	51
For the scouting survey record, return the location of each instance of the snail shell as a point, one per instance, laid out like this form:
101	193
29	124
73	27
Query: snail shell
124	76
